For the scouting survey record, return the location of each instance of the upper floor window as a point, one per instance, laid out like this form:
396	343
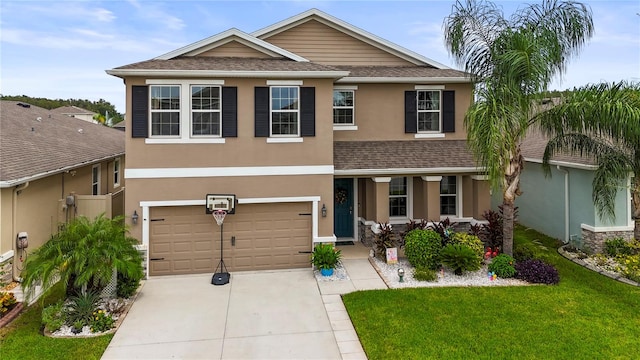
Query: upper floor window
165	110
116	172
95	179
205	110
448	195
343	107
398	197
429	111
285	102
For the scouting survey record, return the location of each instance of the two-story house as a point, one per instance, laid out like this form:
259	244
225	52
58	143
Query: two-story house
319	128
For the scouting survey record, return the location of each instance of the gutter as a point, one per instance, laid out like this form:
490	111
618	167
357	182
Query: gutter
409	171
26	179
564	163
319	74
412	80
566	203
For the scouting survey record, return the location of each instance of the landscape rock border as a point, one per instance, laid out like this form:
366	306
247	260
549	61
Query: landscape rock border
11	314
614	275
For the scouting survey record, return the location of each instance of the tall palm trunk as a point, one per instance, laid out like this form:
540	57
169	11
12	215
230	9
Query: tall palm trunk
635	198
507	227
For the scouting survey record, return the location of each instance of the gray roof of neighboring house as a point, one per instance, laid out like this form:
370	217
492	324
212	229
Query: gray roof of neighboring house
226	64
400	71
411	154
533	145
71	110
35	142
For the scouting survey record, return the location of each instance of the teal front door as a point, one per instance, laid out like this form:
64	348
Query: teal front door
343	208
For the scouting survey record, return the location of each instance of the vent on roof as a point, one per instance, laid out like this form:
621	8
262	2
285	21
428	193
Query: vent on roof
24	105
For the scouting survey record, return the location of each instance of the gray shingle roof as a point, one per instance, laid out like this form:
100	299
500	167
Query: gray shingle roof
400	71
533	145
34	140
227	64
412	154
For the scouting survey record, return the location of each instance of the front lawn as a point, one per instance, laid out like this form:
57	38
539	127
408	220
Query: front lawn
586	316
23	339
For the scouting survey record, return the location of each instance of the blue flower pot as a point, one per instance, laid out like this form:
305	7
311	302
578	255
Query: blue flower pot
326	272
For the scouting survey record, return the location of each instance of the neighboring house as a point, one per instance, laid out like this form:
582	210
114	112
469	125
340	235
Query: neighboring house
52	169
319	128
561	206
76	112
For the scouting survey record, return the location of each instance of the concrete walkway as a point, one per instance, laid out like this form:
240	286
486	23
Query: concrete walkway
259	315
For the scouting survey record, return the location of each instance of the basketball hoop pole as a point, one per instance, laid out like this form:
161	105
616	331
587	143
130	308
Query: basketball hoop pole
220	277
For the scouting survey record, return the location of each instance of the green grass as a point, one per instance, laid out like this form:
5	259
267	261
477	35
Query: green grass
23	338
586	316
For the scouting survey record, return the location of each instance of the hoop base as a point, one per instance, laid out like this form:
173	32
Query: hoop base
220	278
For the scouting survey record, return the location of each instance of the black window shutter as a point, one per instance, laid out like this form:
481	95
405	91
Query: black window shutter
262	112
448	112
410	112
308	111
229	111
139	111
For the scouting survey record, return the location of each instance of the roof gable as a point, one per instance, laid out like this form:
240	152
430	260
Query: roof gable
346	28
206	45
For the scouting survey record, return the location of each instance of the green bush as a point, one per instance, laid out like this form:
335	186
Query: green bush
101	321
618	246
422	248
503	266
460	258
53	317
424	274
82	307
630	266
471	241
325	256
127	286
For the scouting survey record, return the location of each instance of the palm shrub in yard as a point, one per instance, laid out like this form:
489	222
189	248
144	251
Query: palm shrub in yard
422	248
83	255
460	258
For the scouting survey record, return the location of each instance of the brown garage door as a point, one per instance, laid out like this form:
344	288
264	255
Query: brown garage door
184	240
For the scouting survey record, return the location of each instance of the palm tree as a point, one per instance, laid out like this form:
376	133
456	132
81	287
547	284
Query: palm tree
83	255
600	121
511	63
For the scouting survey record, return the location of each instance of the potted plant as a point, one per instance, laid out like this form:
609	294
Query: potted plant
325	258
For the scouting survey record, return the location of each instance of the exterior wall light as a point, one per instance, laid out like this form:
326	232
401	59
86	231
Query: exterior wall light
324	210
401	274
134	217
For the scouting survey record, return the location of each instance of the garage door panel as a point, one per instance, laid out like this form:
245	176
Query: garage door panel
268	236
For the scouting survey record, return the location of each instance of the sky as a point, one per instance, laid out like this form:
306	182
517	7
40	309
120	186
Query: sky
61	49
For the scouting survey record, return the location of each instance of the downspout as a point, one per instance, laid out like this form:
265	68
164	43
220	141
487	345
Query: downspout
566	203
14	226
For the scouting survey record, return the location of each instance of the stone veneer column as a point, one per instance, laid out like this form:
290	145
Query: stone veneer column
432	197
382	198
481	195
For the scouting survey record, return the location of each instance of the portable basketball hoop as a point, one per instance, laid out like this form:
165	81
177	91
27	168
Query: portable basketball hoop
219	206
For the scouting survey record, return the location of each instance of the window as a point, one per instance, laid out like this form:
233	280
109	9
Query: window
205	110
343	107
398	196
165	110
284	111
429	111
95	180
116	172
448	195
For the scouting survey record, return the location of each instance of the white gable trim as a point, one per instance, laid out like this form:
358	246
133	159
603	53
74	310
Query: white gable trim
345	27
225	37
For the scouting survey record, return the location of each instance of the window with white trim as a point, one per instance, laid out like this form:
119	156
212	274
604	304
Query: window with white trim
343	107
165	110
206	110
285	110
95	179
429	119
116	172
449	195
398	197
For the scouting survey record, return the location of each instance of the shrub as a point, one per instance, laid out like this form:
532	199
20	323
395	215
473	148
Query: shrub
630	266
412	225
384	239
7	300
537	272
471	241
424	274
101	321
460	258
325	256
491	233
53	317
422	248
444	228
503	266
618	246
127	286
82	307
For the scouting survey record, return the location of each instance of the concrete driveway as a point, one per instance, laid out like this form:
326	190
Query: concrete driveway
258	315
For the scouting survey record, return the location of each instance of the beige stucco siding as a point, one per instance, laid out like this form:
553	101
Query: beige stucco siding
322	44
6	220
234	49
379	112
